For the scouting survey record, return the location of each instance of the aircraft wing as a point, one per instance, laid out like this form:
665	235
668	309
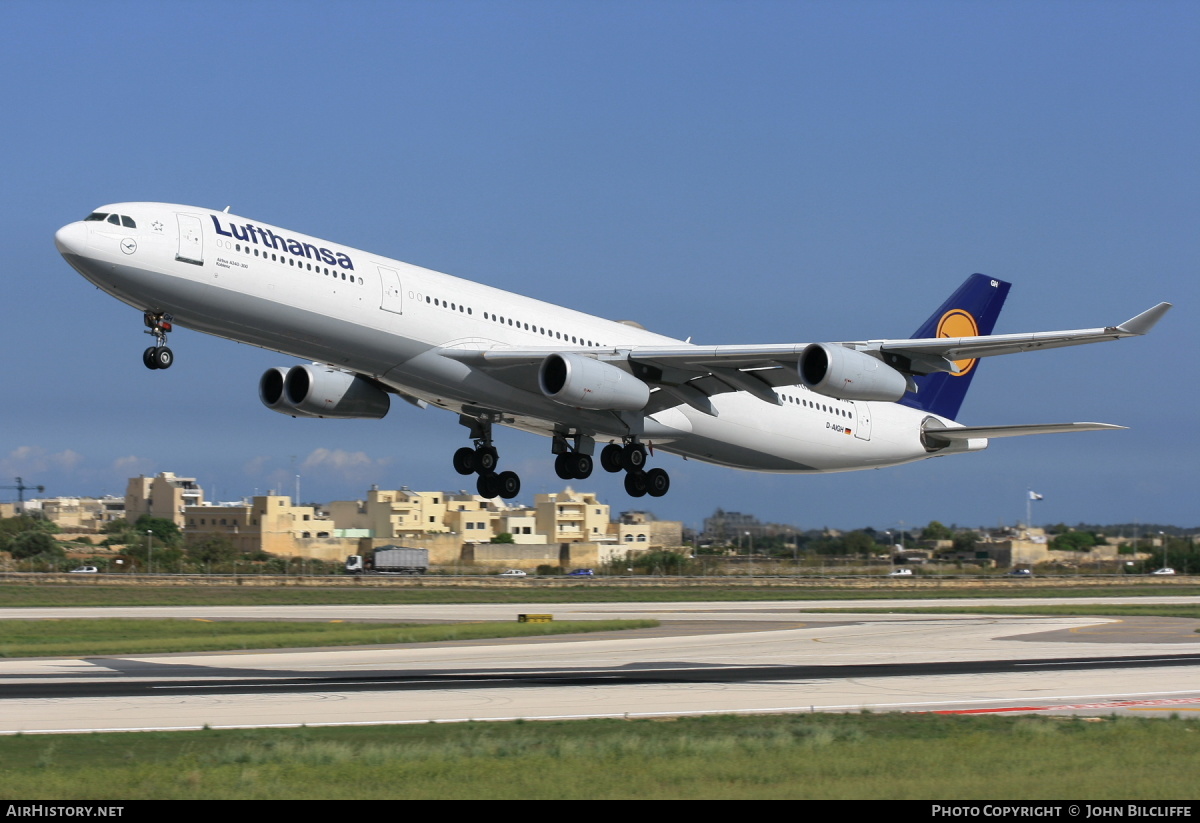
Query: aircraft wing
688	374
950	349
970	432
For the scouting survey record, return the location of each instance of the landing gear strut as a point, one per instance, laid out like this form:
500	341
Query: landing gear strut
631	458
158	356
482	460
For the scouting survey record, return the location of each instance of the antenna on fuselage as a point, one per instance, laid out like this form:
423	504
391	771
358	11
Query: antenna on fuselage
225	210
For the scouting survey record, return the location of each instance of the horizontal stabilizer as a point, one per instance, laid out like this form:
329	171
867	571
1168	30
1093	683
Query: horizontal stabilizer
969	432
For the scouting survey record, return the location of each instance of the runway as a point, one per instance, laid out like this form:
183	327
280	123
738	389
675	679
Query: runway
760	657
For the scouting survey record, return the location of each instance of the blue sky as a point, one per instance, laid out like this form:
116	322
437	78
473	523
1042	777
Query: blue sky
750	172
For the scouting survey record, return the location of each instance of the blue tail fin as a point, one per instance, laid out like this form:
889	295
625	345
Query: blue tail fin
970	311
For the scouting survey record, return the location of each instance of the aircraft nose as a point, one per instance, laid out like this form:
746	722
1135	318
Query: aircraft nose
71	238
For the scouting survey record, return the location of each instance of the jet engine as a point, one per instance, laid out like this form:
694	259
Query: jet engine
322	391
585	383
847	374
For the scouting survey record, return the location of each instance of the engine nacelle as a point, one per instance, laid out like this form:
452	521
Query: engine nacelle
322	391
847	374
585	383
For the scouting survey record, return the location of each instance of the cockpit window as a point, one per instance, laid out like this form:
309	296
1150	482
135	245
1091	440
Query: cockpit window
96	216
127	222
114	219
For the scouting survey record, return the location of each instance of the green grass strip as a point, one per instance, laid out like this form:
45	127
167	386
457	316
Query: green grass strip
51	596
891	756
75	638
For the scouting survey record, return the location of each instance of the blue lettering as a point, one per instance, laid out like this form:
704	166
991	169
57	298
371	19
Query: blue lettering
265	237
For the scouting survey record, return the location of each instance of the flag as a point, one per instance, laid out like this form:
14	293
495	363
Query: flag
1035	496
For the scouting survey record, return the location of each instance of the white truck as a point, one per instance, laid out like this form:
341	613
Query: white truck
390	560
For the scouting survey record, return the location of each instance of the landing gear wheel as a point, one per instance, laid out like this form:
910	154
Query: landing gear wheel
658	482
163	357
633	457
610	458
563	467
583	466
509	484
635	484
488	485
464	460
486	458
573	466
148	358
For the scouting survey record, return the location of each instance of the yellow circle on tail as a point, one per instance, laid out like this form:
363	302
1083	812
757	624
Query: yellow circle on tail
959	323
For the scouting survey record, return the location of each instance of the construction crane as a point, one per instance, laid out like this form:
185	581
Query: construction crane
21	489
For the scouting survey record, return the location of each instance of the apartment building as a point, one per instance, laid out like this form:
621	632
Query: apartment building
163	495
268	523
572	517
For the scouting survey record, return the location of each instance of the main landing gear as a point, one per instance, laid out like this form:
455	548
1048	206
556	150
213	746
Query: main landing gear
570	463
158	356
631	458
482	460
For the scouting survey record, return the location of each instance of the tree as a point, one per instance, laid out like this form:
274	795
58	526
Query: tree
859	542
1073	542
503	537
661	562
966	541
936	531
163	530
37	544
214	550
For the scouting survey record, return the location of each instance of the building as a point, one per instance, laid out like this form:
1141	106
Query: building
642	530
268	523
404	512
572	517
164	495
85	515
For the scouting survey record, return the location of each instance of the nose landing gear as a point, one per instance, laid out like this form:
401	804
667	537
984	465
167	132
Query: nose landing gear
158	356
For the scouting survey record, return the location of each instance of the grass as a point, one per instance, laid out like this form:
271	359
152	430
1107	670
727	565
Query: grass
72	638
816	756
50	596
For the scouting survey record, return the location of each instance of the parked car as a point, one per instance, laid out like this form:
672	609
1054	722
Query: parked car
1021	573
1164	570
901	573
94	570
581	573
513	573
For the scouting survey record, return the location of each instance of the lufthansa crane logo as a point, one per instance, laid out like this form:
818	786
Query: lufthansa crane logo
959	323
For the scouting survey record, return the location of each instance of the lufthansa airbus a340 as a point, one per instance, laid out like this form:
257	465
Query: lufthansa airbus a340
373	327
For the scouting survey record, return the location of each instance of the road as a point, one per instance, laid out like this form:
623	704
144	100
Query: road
706	658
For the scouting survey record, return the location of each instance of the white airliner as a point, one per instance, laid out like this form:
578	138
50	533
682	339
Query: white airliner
376	327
